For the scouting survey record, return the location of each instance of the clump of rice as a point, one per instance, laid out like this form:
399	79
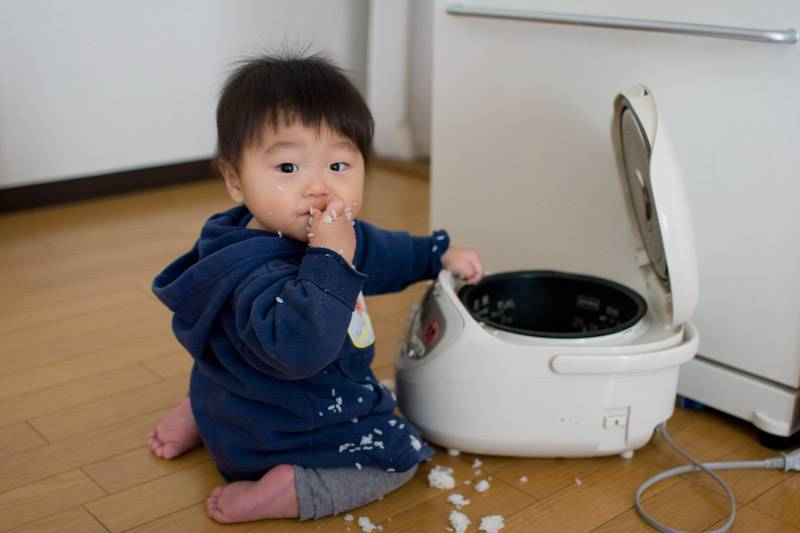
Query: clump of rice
491	523
482	486
415	443
458	500
459	521
366	524
441	477
453	452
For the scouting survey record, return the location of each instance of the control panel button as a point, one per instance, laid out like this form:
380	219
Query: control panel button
615	421
431	332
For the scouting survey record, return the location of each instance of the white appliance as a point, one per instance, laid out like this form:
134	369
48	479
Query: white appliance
522	167
553	364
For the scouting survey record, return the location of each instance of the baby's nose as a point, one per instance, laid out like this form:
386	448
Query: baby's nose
317	187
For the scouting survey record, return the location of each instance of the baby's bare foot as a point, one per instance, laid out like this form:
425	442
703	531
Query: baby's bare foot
272	496
176	433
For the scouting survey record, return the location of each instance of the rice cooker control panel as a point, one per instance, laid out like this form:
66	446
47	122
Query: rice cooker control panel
427	325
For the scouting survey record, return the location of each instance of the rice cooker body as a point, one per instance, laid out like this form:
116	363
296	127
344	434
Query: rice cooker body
556	379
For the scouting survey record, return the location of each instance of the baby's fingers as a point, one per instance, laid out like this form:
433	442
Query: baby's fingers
316	216
335	207
476	270
474	278
476	263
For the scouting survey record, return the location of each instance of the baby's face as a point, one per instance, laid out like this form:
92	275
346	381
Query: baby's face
292	169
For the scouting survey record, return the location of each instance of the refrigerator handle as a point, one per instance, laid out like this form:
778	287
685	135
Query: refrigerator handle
789	36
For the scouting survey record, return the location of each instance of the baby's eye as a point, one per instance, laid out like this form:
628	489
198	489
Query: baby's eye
339	166
288	168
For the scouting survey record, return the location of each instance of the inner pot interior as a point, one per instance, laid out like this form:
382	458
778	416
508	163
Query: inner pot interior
553	304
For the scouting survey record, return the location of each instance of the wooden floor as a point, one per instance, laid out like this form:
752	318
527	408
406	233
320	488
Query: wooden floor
88	365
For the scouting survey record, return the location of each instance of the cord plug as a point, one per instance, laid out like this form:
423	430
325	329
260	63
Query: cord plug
791	460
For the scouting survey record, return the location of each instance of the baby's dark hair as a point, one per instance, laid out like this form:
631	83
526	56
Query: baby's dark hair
283	89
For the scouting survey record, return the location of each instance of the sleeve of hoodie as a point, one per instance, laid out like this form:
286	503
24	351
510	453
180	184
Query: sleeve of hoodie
392	260
293	321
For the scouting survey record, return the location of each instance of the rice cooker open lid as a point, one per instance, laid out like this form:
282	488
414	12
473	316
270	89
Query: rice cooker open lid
658	204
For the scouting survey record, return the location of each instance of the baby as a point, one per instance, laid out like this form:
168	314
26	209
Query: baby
270	304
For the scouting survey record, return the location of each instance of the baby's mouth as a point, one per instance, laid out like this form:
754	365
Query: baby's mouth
319	207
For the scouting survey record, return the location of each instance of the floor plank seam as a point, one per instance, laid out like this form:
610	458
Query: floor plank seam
155	374
58	472
10	375
777	519
156	478
95	518
99	398
95	399
87	474
156	519
35	430
38	326
617	517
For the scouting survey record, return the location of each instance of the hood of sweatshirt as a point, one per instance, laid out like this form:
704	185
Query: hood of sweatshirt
196	285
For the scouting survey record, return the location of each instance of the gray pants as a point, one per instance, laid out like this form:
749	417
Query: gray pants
330	491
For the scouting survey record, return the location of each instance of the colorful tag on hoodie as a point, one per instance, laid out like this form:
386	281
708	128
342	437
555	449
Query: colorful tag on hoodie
360	330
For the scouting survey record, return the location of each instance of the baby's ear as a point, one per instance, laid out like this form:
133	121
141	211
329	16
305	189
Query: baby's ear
232	182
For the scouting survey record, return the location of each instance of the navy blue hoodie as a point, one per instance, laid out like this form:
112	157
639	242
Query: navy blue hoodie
282	346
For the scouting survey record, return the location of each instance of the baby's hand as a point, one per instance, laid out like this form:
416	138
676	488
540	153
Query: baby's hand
464	263
331	229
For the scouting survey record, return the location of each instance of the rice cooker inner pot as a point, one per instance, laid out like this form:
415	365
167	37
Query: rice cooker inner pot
553	304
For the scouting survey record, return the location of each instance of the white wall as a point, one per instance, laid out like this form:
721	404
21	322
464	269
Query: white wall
95	86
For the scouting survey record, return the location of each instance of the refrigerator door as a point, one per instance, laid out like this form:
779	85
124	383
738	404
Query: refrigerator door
523	168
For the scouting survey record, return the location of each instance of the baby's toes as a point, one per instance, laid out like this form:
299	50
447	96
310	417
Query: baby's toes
170	450
154	444
215	494
212	505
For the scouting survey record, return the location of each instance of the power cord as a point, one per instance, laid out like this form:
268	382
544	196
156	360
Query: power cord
786	462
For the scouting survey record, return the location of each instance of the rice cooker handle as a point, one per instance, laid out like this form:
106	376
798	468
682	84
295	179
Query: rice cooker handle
628	363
